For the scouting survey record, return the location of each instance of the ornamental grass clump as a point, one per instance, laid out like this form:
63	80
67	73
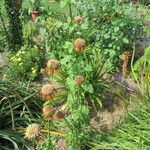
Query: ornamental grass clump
47	92
32	131
79	45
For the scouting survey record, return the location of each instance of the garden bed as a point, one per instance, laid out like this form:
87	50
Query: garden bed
74	74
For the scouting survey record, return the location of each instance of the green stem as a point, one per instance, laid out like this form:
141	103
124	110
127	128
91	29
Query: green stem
25	105
12	116
132	70
49	139
70	10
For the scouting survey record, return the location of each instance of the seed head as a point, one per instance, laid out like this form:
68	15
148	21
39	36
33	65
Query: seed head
47	92
142	15
32	131
53	64
79	80
58	116
79	45
77	19
48	112
106	17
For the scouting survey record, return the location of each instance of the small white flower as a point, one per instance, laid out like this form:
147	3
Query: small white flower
79	33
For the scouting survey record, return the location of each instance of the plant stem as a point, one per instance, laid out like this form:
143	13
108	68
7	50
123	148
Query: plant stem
12	116
49	139
70	10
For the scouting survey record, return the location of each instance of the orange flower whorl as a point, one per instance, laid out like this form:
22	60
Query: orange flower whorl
47	92
79	45
48	112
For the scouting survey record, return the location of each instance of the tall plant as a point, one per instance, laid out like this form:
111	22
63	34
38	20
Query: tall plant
15	27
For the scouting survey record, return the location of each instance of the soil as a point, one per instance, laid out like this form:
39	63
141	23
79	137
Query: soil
106	120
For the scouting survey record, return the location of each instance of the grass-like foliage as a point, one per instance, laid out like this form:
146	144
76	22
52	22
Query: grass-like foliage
18	106
134	133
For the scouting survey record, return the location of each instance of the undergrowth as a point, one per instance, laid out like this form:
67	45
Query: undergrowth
134	133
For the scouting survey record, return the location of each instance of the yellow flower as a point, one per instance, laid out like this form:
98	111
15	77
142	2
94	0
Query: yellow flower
33	71
12	58
23	52
4	76
20	64
35	47
17	54
19	59
32	131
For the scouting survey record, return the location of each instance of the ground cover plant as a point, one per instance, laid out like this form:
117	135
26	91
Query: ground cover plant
76	75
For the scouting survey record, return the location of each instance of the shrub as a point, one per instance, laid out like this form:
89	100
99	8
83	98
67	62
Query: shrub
111	24
25	64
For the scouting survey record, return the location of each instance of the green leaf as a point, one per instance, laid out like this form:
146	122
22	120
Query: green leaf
88	88
88	68
125	40
67	45
42	31
84	26
116	29
106	36
66	59
147	53
71	84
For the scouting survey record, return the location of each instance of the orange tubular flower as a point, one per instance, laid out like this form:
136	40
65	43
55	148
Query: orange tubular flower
52	67
79	80
47	92
52	71
79	45
126	56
